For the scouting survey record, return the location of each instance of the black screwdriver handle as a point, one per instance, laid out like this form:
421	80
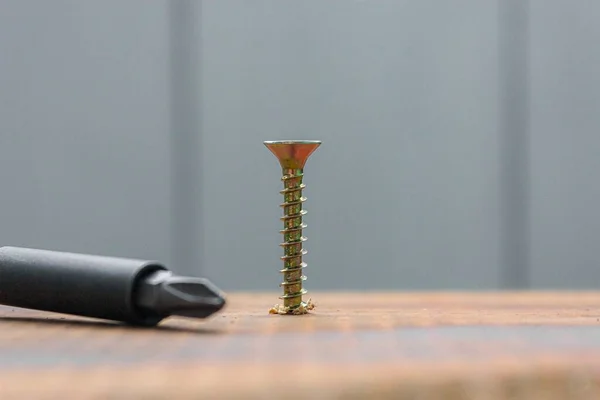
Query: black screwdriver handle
77	284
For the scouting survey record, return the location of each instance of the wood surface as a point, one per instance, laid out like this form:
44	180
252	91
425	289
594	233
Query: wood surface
529	345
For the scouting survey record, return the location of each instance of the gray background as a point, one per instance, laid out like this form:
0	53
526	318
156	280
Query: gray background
460	138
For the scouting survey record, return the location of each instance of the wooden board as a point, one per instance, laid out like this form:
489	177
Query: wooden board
354	345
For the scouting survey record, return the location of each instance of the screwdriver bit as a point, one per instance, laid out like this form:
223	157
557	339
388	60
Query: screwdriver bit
166	294
132	291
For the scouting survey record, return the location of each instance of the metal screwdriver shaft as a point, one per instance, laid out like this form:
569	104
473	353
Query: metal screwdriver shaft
292	156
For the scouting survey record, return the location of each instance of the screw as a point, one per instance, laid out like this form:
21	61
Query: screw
292	155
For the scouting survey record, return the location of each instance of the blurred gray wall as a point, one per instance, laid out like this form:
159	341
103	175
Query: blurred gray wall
85	126
460	139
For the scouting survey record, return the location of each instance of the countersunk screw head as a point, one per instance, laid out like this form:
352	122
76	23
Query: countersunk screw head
292	154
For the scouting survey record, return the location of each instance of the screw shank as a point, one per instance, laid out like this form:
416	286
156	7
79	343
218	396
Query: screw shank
292	237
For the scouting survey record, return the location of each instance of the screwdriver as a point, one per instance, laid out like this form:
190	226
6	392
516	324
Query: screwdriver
131	291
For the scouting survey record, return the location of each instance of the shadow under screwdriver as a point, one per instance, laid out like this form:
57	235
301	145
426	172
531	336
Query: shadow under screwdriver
126	290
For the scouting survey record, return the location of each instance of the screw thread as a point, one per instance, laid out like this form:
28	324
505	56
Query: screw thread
293	239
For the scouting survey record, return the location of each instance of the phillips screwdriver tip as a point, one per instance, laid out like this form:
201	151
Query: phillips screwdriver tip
165	294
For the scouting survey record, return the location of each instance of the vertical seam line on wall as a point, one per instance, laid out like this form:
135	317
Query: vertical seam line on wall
514	143
185	135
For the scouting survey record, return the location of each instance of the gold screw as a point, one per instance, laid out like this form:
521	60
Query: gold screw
292	155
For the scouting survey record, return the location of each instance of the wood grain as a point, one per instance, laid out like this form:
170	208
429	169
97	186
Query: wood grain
527	345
